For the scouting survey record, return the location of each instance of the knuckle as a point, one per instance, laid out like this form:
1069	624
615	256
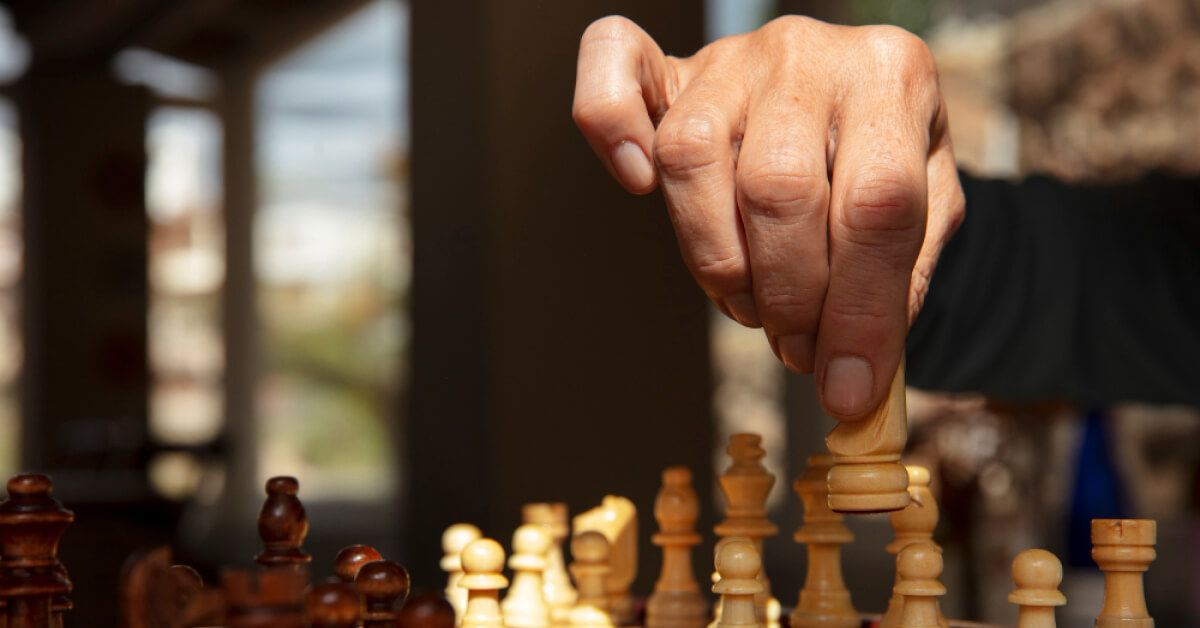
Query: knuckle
595	113
901	55
885	203
787	26
793	309
724	271
611	28
687	144
783	189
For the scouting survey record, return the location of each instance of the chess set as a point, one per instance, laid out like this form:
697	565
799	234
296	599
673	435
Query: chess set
861	474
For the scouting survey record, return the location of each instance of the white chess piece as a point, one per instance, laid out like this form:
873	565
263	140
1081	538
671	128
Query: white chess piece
738	563
483	562
454	539
525	606
1036	574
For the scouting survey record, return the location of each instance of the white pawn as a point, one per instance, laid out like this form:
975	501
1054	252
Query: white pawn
525	606
1037	574
591	553
483	562
919	566
738	563
454	539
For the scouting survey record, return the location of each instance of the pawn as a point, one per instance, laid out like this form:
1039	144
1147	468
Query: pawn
738	564
1124	549
333	605
915	523
1037	574
591	553
427	610
282	525
919	566
351	559
482	563
383	584
454	539
525	606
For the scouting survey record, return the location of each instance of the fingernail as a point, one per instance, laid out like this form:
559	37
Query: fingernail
743	309
796	351
848	384
632	166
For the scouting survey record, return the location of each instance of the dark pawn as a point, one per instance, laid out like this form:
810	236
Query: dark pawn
32	581
351	559
282	525
428	609
333	605
383	585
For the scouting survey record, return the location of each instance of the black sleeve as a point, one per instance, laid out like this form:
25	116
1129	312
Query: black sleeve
1089	294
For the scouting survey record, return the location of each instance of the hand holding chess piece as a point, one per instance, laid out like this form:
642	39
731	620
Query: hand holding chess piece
867	475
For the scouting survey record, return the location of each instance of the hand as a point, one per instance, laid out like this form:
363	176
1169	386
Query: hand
808	173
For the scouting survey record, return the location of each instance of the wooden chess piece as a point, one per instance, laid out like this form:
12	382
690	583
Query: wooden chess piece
867	475
590	550
282	525
154	593
351	558
483	561
824	601
333	605
738	562
676	601
559	593
525	606
920	566
1124	549
454	539
745	485
915	523
31	525
616	519
383	585
1036	574
427	610
264	598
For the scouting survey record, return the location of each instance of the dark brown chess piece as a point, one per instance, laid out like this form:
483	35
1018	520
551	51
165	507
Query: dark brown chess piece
157	594
383	585
351	559
427	610
31	578
282	525
264	598
333	605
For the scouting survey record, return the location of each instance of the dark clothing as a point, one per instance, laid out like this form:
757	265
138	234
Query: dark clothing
1050	291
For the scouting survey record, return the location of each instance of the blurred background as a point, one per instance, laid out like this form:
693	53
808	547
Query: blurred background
361	242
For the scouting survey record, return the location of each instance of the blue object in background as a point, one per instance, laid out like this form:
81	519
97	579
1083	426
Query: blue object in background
1096	493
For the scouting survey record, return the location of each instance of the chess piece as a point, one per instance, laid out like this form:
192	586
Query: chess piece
914	523
590	569
264	598
1124	549
31	578
676	601
525	606
427	610
616	519
559	593
454	539
738	562
383	585
867	475
745	485
482	562
1036	574
716	577
824	601
154	593
920	566
333	605
351	558
282	525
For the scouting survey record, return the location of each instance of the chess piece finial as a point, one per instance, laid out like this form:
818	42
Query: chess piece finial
738	563
333	605
1124	549
427	610
282	525
1036	574
454	539
824	601
920	566
616	519
591	552
676	601
525	606
31	525
556	584
915	523
483	562
746	485
383	585
351	558
264	597
867	475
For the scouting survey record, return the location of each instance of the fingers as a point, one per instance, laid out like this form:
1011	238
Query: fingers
695	157
877	222
946	210
622	79
783	196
